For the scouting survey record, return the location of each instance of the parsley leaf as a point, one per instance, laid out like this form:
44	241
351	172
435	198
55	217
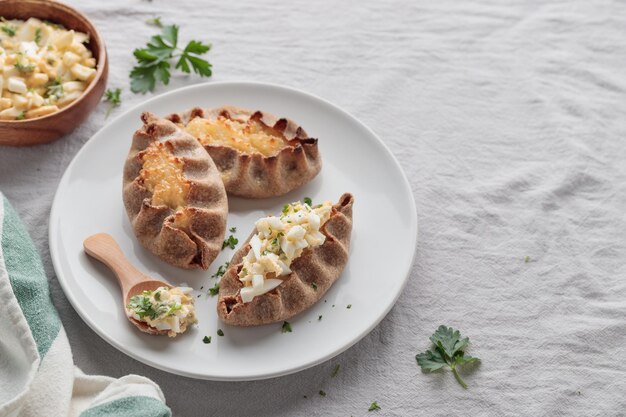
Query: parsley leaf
322	393
374	406
314	285
37	35
54	89
307	200
230	242
206	339
153	61
9	30
221	270
155	21
286	327
233	229
349	306
24	68
142	306
114	99
449	346
215	290
220	332
21	116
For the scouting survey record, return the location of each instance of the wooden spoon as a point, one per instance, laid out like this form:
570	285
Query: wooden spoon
103	247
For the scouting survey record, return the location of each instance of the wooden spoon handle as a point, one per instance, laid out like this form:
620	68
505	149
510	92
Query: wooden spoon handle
103	247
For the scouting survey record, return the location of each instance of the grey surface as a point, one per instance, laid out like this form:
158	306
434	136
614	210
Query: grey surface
510	121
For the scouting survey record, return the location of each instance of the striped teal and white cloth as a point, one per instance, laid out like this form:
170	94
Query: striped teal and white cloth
37	373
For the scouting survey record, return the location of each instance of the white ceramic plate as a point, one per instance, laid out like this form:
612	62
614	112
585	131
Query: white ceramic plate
384	238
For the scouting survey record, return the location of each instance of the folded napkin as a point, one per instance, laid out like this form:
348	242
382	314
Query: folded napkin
37	373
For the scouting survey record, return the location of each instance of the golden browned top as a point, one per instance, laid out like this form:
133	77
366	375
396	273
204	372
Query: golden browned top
162	175
248	137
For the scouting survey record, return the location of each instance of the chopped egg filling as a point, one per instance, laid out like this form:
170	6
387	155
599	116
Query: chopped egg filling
43	68
170	309
249	137
277	243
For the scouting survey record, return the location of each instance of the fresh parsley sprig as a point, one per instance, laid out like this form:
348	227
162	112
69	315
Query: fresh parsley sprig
114	99
9	30
231	242
214	290
374	406
153	61
155	21
449	351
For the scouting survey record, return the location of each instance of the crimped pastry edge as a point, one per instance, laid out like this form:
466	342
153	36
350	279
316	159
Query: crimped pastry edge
321	265
255	175
207	202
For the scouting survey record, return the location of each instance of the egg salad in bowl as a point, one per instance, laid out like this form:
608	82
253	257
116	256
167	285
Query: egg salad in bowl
277	243
166	309
43	68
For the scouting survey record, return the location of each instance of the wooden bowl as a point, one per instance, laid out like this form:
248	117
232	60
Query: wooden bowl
53	126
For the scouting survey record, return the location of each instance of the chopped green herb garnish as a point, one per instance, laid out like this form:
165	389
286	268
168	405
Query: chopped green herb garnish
233	229
314	285
335	371
9	30
21	116
308	201
286	327
374	406
319	318
37	35
220	332
322	393
142	306
286	209
206	339
153	61
527	259
155	21
221	270
449	351
231	242
114	99
215	290
54	89
24	68
157	295
349	306
173	309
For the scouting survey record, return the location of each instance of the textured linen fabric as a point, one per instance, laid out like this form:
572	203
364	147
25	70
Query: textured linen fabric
509	120
37	373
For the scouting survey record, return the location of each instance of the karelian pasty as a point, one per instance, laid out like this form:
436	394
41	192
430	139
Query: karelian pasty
287	264
257	154
174	196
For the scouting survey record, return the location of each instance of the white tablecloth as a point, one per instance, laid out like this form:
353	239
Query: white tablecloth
509	118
